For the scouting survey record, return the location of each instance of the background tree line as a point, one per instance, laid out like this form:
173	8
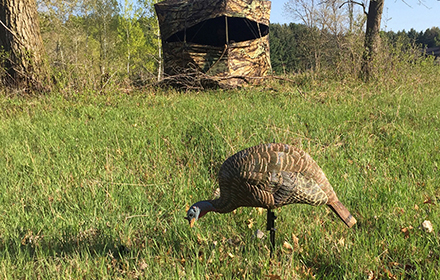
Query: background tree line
297	47
429	38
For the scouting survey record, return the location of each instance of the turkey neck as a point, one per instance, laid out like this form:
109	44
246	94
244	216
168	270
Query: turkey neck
222	205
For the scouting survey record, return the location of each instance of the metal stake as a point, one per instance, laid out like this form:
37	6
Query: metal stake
271	227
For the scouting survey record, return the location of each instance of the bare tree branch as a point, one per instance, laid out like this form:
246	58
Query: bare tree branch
357	3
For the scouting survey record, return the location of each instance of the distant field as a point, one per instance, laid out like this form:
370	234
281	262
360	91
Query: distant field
96	186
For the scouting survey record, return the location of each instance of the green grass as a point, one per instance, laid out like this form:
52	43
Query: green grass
96	186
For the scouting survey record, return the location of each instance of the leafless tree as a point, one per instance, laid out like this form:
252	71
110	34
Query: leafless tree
327	14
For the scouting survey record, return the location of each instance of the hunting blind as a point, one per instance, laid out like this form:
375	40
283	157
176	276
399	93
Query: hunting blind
226	41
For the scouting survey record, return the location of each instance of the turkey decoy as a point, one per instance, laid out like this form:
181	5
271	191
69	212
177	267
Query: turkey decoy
270	176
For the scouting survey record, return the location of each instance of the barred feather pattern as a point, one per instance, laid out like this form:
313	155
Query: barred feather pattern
273	175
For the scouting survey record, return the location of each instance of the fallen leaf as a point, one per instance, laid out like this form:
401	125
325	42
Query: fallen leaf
428	200
259	234
143	265
287	246
273	277
389	274
339	144
250	223
427	226
295	240
406	230
341	241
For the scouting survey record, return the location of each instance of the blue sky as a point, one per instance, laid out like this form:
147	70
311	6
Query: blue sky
396	16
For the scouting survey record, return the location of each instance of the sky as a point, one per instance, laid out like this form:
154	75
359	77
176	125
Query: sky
397	14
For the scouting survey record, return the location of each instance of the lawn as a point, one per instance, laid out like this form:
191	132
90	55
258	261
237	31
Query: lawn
95	186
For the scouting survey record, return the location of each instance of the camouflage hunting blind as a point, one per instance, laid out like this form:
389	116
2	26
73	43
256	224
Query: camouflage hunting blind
226	40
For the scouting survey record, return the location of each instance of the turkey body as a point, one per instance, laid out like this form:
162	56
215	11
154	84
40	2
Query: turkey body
274	175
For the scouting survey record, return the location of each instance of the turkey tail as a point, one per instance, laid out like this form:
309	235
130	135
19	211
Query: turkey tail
343	213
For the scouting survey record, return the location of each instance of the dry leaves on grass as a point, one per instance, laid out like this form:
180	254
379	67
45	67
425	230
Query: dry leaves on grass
429	200
427	226
406	231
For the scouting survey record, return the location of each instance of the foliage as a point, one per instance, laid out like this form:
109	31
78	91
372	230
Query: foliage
94	186
287	47
104	44
137	42
428	38
329	42
92	44
340	59
328	39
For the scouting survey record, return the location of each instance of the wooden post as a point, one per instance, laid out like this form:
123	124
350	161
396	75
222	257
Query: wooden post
227	30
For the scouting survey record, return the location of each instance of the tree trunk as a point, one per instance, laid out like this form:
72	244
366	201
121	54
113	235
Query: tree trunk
23	66
372	38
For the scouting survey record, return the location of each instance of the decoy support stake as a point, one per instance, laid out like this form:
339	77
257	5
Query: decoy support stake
271	227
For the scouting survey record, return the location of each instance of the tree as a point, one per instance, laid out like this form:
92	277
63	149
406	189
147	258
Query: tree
372	37
430	38
99	44
324	15
102	25
23	65
289	46
137	38
284	52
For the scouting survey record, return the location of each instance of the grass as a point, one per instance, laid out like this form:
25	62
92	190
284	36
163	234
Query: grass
96	186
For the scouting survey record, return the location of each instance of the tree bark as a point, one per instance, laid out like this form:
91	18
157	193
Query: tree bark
24	66
372	38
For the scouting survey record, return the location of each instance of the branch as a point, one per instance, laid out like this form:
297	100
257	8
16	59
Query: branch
13	33
357	3
4	25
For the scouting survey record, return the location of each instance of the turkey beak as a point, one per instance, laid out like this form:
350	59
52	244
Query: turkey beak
192	222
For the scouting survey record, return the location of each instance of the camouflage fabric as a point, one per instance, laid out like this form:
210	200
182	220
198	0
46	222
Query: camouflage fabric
226	40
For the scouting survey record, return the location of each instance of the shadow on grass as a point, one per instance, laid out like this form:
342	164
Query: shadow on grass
92	242
325	266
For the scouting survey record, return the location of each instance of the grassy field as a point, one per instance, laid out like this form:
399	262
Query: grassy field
95	186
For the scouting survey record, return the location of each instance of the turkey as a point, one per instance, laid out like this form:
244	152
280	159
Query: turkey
270	176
